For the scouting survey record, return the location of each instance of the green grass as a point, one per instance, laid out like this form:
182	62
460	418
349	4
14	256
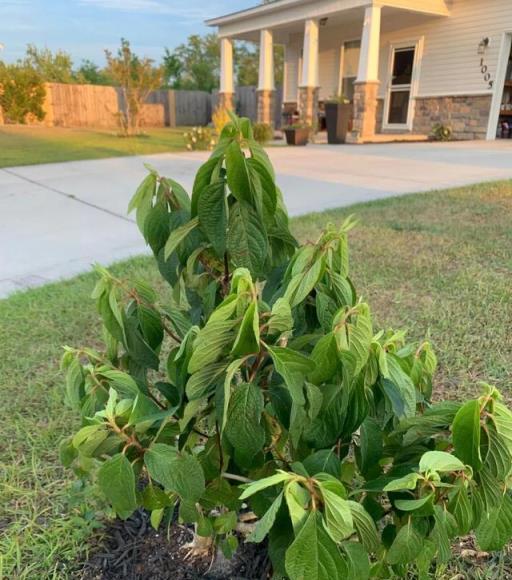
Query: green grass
438	264
29	145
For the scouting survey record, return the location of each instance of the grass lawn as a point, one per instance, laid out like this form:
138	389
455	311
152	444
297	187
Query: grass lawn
439	264
28	145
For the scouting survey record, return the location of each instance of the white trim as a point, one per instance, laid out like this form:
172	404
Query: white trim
483	93
418	45
340	68
499	84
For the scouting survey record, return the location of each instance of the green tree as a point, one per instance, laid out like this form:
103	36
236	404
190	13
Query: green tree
259	380
22	92
173	70
90	73
53	67
195	65
136	77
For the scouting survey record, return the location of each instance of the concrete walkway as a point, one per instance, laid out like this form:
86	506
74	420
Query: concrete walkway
58	219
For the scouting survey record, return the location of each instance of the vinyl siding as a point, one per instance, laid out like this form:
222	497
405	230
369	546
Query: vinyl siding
450	64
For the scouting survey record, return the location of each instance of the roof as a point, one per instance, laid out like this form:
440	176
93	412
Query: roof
266	8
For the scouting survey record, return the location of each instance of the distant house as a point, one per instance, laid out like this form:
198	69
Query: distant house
406	64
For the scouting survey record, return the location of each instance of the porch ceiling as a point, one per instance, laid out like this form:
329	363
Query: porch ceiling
287	16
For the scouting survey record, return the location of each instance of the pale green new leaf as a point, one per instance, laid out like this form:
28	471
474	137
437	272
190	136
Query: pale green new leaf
440	461
281	319
265	524
408	481
262	484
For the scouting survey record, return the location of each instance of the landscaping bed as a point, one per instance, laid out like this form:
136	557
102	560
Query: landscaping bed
438	264
132	549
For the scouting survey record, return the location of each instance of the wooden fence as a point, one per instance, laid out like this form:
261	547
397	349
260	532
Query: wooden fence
70	105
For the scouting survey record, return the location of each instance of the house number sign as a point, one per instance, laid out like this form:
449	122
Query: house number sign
484	69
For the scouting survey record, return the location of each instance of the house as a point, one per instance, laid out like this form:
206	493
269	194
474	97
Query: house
405	64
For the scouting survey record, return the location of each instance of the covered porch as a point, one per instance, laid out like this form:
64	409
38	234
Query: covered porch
335	47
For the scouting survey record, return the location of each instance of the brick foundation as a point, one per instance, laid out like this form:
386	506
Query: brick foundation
265	107
227	101
308	105
365	111
467	116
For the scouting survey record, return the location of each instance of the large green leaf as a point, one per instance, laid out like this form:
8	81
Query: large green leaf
243	428
495	529
247	241
178	235
293	368
407	545
248	337
178	472
262	484
116	480
314	555
466	434
370	448
238	177
404	385
365	527
213	216
338	516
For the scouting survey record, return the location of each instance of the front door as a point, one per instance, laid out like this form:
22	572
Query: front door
401	78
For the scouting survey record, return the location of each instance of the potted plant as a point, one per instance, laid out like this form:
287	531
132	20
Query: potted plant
297	134
338	117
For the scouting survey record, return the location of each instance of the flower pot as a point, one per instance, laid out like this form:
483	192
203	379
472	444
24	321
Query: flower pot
337	117
298	136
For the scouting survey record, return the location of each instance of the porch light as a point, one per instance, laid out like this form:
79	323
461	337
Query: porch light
483	45
323	21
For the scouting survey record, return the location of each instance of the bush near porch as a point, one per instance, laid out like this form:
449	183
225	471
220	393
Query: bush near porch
436	263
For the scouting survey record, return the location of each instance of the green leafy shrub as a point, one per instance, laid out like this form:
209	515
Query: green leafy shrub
259	384
441	132
22	93
263	133
199	139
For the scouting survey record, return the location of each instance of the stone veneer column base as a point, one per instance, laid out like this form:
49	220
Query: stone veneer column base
467	116
365	111
227	101
308	106
265	106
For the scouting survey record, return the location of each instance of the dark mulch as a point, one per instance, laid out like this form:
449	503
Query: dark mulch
133	550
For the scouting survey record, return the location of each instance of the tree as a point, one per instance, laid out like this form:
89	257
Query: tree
173	70
90	73
22	93
53	67
259	380
196	64
136	77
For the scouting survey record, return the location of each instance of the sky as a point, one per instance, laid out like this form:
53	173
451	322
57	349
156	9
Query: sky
85	28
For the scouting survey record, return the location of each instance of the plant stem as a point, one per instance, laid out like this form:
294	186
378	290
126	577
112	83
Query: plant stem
236	477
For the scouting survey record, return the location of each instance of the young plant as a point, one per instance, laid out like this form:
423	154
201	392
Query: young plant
258	391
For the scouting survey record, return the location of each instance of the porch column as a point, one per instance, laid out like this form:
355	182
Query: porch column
308	89
227	87
367	84
266	87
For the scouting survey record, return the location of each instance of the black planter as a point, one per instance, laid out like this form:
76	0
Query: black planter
338	117
297	136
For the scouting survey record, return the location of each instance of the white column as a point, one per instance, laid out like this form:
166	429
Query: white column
226	66
370	46
266	71
310	56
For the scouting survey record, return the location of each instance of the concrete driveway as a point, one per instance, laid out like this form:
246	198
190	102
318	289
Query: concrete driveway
58	219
